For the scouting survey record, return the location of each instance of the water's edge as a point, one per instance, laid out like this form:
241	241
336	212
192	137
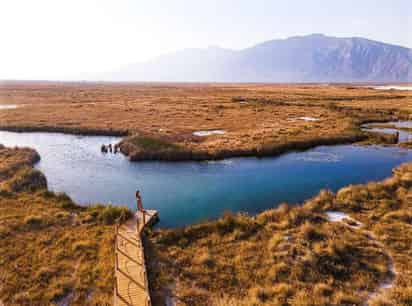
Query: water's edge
189	192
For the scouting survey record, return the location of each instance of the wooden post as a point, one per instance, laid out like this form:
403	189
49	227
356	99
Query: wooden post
115	236
116	261
144	218
143	274
115	286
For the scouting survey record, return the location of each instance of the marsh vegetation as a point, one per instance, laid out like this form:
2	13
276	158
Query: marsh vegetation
51	250
161	118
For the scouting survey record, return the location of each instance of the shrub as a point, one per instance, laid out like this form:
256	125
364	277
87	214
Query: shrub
230	301
322	289
108	214
85	248
282	291
352	197
279	272
26	179
399	215
324	200
274	241
311	233
47	194
204	258
404	295
63	201
274	215
44	274
347	300
34	221
261	294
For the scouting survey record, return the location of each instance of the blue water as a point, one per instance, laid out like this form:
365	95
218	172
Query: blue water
188	192
404	136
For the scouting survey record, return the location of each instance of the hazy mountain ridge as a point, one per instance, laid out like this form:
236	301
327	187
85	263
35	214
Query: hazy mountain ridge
313	58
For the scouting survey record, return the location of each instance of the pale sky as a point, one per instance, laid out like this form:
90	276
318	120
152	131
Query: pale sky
59	39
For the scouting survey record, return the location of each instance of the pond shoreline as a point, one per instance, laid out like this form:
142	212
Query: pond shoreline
262	152
65	130
184	155
290	177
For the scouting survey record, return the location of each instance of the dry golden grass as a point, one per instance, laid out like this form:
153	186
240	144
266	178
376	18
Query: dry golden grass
294	255
385	209
51	250
267	123
13	159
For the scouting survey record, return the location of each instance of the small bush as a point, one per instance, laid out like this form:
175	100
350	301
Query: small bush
84	246
47	194
404	295
321	289
279	272
347	300
261	295
64	201
205	259
45	274
282	291
34	221
26	179
310	232
399	215
108	214
274	241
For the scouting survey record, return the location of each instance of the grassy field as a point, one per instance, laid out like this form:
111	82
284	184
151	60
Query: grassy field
52	252
257	119
295	255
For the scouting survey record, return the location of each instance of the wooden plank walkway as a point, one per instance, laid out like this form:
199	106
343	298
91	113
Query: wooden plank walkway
131	285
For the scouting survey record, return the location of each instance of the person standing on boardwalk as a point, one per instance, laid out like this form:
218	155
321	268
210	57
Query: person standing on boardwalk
140	205
139	201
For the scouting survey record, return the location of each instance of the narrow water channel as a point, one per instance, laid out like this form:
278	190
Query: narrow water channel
404	136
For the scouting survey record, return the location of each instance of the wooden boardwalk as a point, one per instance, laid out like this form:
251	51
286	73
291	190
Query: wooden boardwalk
131	285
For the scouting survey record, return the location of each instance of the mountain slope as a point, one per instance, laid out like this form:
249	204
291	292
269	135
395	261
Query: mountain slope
313	58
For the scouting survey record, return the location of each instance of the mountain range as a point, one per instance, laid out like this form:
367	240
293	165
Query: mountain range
311	58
